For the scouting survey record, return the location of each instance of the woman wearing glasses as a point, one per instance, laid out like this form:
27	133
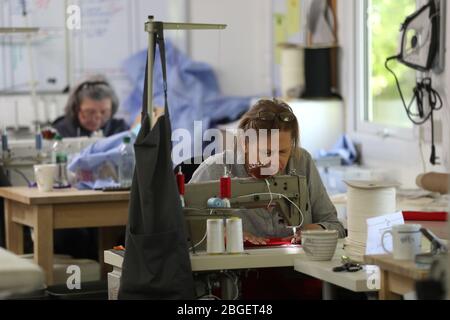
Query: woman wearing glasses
90	108
261	224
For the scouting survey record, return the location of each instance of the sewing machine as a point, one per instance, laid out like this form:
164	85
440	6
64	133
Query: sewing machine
246	193
22	154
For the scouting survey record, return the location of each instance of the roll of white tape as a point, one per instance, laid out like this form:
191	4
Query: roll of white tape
215	241
291	69
364	202
370	202
235	241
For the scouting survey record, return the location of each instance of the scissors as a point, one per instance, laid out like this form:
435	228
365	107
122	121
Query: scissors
347	265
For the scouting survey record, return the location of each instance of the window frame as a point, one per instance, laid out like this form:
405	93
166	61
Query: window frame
362	74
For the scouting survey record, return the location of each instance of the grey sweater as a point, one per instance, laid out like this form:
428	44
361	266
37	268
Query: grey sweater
268	224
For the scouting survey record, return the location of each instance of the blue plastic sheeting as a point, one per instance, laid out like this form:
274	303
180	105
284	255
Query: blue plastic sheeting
96	165
193	92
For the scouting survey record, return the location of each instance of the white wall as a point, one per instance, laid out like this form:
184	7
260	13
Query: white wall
441	82
17	111
89	57
401	156
241	54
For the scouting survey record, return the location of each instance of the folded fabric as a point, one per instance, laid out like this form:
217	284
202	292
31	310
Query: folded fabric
272	242
344	148
425	216
97	184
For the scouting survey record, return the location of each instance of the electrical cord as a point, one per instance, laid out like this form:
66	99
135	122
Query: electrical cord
235	283
425	86
20	173
209	290
433	156
279	195
204	237
422	90
294	228
271	197
422	158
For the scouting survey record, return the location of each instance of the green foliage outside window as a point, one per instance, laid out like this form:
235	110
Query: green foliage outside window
384	20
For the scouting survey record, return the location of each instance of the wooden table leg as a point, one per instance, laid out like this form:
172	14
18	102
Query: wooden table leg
14	231
385	292
43	239
107	238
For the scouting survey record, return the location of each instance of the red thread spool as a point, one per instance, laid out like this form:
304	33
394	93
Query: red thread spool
225	187
180	183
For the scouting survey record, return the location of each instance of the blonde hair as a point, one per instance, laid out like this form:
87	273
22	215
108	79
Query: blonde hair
251	120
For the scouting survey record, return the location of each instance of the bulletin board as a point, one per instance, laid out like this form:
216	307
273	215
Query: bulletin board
39	57
56	57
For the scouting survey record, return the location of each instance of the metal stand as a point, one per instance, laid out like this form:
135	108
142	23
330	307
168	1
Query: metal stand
151	27
328	291
227	288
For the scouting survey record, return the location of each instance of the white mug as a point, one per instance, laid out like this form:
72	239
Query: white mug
45	175
406	241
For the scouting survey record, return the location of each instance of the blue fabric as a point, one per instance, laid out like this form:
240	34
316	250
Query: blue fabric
344	148
97	184
94	159
193	91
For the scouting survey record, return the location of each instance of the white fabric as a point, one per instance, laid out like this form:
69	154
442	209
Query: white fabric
18	275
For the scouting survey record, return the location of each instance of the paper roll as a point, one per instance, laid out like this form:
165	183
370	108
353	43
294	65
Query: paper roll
235	242
291	69
215	242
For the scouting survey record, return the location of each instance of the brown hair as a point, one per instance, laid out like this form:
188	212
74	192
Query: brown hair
251	120
95	88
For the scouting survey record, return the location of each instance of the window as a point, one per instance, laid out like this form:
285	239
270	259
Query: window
382	106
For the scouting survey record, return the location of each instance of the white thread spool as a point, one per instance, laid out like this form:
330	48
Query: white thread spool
215	242
235	242
366	199
291	68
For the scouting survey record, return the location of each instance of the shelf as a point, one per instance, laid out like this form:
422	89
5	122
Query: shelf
18	30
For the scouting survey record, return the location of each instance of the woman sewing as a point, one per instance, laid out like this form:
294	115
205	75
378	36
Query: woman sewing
261	224
90	108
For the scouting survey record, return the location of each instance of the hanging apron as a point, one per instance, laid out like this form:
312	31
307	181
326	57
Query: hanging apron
156	263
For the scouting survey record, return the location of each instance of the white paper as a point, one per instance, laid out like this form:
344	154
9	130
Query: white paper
375	228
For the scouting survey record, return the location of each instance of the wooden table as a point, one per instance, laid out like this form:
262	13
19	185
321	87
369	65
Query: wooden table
201	262
397	277
323	270
439	228
59	209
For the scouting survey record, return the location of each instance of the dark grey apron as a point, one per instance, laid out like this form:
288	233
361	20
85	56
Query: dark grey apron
156	263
